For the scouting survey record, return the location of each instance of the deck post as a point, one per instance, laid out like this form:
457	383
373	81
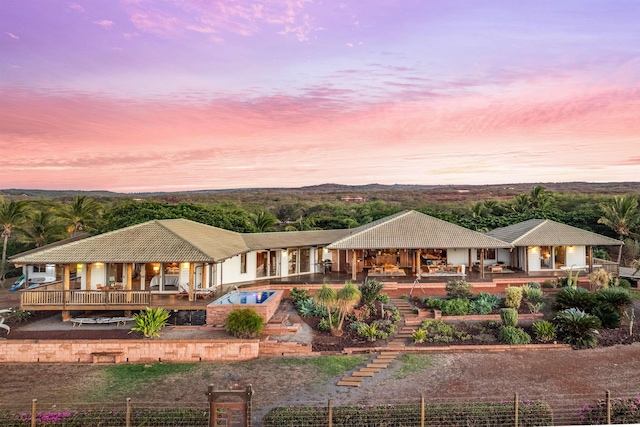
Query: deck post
87	275
192	294
482	263
353	265
129	285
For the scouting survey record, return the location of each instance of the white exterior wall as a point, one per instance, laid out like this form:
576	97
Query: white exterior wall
504	255
458	256
98	276
231	270
49	273
576	255
284	263
533	254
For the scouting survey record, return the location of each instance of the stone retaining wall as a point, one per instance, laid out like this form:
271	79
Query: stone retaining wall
217	313
122	351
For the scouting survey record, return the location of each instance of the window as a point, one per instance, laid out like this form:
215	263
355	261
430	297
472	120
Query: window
261	264
243	263
489	254
293	261
40	268
305	260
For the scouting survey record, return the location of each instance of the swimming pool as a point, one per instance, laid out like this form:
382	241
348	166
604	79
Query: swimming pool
264	302
245	297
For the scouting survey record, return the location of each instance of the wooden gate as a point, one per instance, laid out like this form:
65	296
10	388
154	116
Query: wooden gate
225	413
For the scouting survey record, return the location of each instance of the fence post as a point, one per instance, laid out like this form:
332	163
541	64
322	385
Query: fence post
515	409
128	413
422	410
33	412
210	399
608	397
330	413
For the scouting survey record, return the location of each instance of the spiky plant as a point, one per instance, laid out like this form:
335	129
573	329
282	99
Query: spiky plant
577	328
150	321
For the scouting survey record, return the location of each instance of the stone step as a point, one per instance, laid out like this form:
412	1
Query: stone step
352	379
348	384
389	353
362	374
377	365
374	370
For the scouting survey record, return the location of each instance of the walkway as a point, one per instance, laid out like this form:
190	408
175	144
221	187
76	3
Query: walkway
380	361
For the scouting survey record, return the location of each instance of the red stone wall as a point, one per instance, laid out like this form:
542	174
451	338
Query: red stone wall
217	313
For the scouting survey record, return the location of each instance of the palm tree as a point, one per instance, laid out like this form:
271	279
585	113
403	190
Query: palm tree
346	299
82	214
42	227
621	215
521	203
263	221
12	214
302	224
540	197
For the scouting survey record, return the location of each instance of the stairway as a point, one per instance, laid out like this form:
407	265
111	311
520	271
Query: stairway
380	361
410	322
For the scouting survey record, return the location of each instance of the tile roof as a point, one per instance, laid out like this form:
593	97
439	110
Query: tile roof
415	230
292	239
545	232
153	241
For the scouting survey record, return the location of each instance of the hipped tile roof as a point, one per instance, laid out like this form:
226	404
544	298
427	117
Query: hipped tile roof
545	232
415	230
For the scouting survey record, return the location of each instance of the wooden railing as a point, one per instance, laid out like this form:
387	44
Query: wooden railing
610	267
104	299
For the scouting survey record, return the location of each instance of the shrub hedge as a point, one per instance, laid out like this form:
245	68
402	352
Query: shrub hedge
445	415
112	418
623	411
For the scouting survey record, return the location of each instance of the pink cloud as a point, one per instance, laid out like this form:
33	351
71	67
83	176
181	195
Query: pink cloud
104	23
13	36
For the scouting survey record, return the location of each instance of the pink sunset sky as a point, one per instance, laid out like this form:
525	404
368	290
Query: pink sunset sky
142	95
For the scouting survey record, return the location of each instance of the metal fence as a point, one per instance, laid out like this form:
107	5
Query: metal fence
447	409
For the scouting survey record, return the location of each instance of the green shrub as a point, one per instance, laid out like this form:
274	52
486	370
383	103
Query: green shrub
550	284
459	289
480	307
533	285
436	303
456	307
394	314
244	323
369	290
535	307
16	315
150	321
419	335
609	317
621	283
383	298
544	330
440	414
491	299
298	294
509	317
533	295
618	297
109	417
513	297
576	327
513	335
323	325
579	298
438	331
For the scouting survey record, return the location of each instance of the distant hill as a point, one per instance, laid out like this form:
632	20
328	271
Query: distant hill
332	192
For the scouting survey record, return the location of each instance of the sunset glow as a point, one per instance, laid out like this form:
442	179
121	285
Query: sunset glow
142	95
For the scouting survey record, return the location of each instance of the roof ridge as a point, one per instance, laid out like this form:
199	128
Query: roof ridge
532	229
199	249
381	221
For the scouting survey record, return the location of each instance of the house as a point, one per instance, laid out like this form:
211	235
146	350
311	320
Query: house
546	245
134	267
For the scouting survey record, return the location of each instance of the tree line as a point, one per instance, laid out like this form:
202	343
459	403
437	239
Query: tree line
30	224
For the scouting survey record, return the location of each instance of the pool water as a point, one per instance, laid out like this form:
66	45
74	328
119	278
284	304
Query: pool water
245	297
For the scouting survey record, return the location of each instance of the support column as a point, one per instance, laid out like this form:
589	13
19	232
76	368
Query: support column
354	265
417	266
205	276
87	279
66	314
526	259
192	293
482	263
590	255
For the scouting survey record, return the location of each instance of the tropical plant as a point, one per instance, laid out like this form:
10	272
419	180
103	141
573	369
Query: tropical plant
458	289
540	197
82	215
369	290
598	279
263	221
150	321
12	215
545	331
327	297
607	314
570	281
533	295
535	307
346	299
41	228
244	323
438	331
306	307
618	297
479	306
323	325
509	316
512	335
298	294
456	307
419	335
576	327
550	284
491	299
621	215
579	298
513	297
